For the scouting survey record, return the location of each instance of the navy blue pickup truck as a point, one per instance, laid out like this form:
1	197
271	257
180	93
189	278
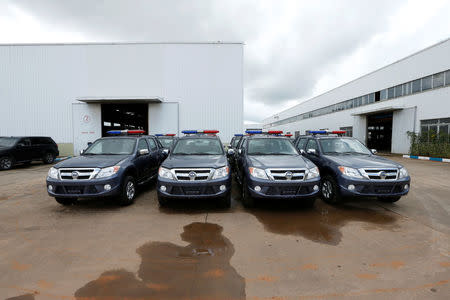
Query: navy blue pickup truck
111	166
196	167
348	168
269	166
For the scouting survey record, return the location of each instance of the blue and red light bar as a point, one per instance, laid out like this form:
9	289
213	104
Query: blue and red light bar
288	135
276	132
326	131
200	132
126	131
167	134
238	134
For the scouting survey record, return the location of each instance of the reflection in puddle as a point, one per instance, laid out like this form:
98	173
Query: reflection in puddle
321	224
200	270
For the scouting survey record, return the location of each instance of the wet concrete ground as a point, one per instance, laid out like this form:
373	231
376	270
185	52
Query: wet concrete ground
97	250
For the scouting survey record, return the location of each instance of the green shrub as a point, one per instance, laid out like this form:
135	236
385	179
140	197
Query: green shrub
429	144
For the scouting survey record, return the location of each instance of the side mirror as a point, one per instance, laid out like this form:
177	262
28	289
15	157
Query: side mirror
230	151
89	143
302	151
143	151
81	152
311	151
165	151
240	151
374	151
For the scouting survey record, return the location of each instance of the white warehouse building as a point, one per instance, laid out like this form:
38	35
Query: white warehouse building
74	93
380	108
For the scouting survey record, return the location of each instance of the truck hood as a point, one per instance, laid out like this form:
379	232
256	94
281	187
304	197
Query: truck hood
91	161
363	161
195	161
278	161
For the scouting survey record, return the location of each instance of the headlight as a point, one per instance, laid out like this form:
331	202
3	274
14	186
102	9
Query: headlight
53	173
258	173
221	172
165	173
313	173
107	172
402	173
350	172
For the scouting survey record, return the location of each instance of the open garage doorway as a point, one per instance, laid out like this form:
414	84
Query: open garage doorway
117	116
379	131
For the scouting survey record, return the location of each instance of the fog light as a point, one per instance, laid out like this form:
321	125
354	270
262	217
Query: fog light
406	186
351	187
163	188
257	188
222	187
50	187
107	187
316	188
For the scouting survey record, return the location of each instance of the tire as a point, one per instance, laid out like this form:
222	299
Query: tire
247	200
128	192
225	201
163	201
66	201
48	158
389	199
6	163
329	191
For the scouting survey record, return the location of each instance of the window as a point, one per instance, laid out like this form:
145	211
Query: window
438	80
391	93
372	98
312	144
348	131
383	94
399	91
365	99
142	145
301	144
433	129
25	142
426	83
447	77
407	88
416	86
377	96
152	144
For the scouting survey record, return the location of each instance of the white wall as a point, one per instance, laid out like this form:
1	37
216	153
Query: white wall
38	83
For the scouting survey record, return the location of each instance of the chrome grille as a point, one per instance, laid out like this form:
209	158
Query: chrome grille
380	173
286	174
77	173
193	174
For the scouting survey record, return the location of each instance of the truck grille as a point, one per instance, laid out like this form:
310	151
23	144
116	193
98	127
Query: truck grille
380	174
193	174
286	174
77	173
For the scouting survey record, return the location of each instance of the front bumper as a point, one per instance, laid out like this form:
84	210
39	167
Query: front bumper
293	189
83	188
374	188
194	189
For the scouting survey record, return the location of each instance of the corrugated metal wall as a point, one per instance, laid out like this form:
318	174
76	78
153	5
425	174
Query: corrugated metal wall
38	83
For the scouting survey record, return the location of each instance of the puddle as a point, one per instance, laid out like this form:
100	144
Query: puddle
200	270
321	224
23	297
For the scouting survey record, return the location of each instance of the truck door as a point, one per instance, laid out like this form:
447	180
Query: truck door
23	150
143	160
156	156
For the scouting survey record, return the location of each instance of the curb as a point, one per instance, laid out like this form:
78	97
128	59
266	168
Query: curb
427	158
62	158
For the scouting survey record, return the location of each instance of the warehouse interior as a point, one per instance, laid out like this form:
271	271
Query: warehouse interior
379	131
117	116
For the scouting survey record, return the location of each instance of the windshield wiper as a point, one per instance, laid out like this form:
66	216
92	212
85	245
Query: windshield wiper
90	154
354	152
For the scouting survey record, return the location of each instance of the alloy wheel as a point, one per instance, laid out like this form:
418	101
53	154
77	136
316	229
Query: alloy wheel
130	190
327	189
5	163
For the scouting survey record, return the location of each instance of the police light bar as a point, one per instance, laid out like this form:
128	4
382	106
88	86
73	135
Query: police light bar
317	131
125	131
170	134
211	131
253	131
159	134
288	135
275	132
238	134
339	131
189	131
200	132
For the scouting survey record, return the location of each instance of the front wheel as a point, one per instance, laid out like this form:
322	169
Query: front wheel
389	199
48	158
128	192
247	200
6	163
329	191
66	201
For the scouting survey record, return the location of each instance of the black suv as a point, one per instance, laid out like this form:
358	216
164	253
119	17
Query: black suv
167	140
233	145
111	166
196	167
15	150
348	168
269	166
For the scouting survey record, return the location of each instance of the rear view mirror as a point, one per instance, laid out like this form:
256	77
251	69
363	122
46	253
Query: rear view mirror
311	151
302	151
374	151
165	151
230	151
143	151
81	152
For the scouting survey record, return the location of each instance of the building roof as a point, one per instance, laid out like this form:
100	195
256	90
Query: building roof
124	43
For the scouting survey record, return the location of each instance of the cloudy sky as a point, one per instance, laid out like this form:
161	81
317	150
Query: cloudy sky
293	49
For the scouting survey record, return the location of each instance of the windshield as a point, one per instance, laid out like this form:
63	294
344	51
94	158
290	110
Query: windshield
235	142
198	146
111	146
343	146
166	142
7	141
271	146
